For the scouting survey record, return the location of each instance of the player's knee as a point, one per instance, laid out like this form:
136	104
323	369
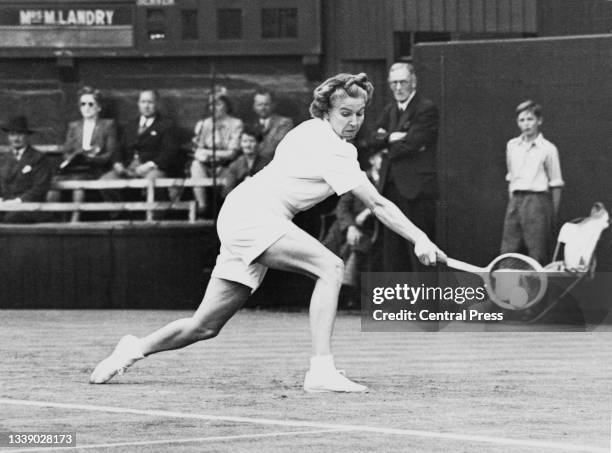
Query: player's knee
205	331
333	269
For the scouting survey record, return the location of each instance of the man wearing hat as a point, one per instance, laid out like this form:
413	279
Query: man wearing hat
25	173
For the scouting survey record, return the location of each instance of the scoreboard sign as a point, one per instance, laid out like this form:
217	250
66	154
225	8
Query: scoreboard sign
85	25
97	17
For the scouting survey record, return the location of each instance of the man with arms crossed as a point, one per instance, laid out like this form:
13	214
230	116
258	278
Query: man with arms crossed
407	130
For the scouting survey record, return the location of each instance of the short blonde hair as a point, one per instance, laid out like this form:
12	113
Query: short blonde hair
340	85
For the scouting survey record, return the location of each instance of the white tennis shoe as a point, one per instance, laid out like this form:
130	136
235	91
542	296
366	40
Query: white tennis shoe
126	353
331	381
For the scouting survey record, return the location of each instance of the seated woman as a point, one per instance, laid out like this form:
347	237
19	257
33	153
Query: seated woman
90	143
248	163
224	132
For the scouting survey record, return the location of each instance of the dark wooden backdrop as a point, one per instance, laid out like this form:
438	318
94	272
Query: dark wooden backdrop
477	87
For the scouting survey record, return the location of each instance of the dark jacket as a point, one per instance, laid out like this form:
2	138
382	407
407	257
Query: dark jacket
410	163
103	141
28	179
158	143
277	129
238	170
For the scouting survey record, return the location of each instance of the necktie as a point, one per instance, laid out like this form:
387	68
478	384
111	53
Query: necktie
143	126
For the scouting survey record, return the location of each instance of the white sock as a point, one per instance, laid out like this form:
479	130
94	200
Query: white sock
322	363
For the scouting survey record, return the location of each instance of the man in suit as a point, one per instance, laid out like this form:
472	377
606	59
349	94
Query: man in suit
272	127
149	148
25	173
407	131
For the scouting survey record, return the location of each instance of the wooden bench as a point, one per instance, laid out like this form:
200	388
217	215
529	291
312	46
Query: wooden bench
149	206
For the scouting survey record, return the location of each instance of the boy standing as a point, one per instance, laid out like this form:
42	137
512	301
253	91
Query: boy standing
534	186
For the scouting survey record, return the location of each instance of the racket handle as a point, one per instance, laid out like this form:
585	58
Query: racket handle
463	266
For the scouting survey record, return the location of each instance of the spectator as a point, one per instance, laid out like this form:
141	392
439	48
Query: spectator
224	133
25	173
534	187
249	163
407	131
149	148
90	143
273	127
354	237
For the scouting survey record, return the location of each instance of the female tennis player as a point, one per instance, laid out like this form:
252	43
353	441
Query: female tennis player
255	227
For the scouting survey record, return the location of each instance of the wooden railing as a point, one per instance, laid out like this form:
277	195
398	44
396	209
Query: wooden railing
47	148
149	206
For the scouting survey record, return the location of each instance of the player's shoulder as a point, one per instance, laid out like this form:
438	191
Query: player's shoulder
313	129
343	150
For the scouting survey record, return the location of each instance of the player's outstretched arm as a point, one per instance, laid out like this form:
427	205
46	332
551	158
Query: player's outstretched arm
391	216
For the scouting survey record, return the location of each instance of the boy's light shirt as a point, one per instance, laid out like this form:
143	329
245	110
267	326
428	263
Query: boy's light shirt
533	165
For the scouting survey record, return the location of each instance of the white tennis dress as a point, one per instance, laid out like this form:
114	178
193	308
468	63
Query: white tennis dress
311	163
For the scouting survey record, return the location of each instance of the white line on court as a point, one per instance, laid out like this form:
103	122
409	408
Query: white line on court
557	446
175	441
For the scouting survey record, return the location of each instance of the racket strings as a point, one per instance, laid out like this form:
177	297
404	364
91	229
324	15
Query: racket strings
516	282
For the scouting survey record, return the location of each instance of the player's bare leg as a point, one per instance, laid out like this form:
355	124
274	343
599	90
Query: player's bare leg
299	252
222	299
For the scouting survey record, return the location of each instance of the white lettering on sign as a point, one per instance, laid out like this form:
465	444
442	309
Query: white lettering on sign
155	3
69	17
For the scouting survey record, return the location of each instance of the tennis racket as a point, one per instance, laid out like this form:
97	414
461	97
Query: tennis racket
513	281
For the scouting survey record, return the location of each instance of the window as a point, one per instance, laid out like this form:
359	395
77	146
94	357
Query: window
279	23
229	23
156	24
189	24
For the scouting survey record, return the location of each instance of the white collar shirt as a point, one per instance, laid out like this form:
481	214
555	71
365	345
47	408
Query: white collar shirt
403	105
145	122
18	153
532	165
265	123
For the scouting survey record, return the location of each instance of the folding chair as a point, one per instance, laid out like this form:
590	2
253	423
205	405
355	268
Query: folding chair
577	243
